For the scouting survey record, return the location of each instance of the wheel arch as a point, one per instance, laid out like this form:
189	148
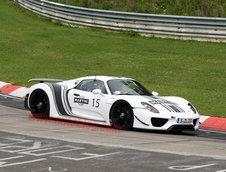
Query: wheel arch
39	104
45	88
117	101
125	121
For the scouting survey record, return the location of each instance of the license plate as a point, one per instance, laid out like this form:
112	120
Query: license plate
184	120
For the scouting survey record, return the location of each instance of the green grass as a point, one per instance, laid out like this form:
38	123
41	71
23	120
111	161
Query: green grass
32	47
207	8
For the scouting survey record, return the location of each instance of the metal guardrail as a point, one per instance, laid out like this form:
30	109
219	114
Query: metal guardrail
170	26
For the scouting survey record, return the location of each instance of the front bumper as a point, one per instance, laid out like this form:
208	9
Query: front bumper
145	119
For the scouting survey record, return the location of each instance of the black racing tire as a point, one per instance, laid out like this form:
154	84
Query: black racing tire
121	115
39	104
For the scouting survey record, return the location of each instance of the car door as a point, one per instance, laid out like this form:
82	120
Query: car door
89	104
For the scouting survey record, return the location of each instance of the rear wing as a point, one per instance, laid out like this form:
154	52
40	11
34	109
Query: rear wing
41	80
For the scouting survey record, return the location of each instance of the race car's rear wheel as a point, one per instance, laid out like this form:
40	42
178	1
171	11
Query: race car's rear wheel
39	104
121	115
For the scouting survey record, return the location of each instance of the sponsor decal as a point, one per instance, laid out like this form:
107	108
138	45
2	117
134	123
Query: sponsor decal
80	100
156	100
160	101
170	106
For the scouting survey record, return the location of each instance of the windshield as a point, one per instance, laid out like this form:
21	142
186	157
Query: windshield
126	87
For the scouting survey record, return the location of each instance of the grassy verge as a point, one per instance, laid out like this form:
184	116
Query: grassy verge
32	47
207	8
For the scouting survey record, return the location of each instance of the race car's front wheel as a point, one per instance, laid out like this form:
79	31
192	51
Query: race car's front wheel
121	115
39	104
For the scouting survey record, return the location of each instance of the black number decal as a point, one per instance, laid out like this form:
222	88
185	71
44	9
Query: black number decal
96	103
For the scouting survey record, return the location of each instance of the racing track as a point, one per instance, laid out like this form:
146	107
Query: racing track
30	145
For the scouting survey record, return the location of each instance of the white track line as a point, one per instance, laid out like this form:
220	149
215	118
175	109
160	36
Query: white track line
116	146
14	157
24	162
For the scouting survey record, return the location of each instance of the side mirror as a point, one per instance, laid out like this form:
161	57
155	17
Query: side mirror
154	93
117	92
96	91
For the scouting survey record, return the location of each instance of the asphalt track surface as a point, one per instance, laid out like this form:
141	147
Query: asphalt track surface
28	145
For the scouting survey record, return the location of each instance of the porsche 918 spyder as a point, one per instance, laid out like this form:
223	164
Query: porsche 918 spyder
113	101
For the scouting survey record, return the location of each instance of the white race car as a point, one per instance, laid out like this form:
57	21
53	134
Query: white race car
113	101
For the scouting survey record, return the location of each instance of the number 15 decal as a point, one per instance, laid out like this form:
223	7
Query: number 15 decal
96	103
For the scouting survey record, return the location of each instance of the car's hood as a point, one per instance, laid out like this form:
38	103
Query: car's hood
162	103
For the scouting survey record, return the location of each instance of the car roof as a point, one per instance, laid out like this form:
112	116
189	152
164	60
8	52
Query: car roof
103	78
73	82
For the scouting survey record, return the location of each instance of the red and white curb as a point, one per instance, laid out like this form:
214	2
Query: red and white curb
214	123
13	90
207	122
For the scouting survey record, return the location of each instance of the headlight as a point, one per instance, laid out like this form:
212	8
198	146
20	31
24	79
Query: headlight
192	108
149	107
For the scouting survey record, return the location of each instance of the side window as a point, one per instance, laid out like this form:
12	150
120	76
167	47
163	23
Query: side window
84	85
90	85
99	85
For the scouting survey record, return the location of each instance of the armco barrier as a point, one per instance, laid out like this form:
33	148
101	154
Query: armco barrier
170	26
